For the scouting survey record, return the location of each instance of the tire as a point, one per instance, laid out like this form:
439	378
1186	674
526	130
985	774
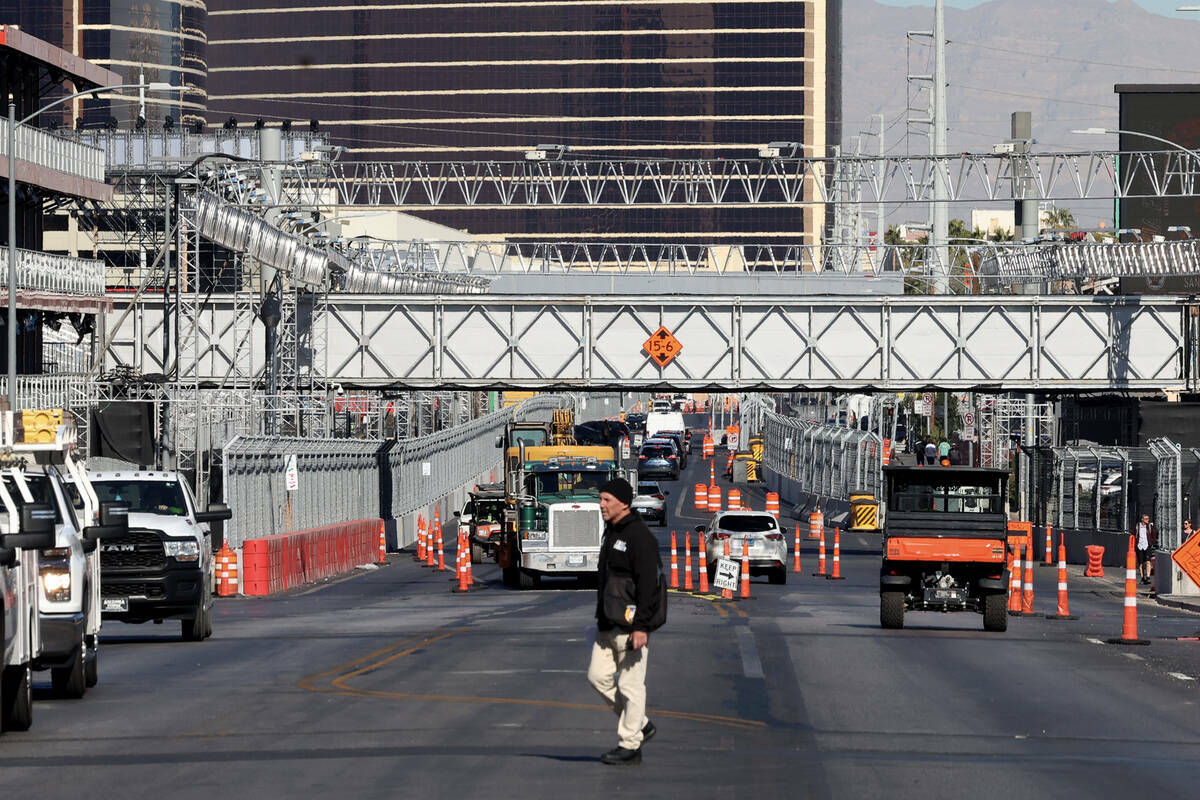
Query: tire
527	580
477	554
193	629
778	576
995	613
17	693
891	610
71	681
91	669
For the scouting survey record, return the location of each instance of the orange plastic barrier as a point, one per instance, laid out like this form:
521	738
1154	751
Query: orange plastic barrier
277	563
735	499
1095	565
714	498
773	504
227	571
816	524
701	501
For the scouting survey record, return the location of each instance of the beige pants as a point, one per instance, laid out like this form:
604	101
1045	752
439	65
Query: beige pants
619	675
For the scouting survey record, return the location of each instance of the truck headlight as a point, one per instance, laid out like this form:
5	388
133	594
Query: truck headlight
183	551
54	569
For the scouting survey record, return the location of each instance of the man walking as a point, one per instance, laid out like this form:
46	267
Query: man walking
627	609
1144	541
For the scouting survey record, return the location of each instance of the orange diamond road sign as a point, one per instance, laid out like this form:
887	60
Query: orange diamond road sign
662	346
1187	556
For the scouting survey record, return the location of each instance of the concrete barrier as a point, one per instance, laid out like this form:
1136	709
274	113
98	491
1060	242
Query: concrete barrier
277	563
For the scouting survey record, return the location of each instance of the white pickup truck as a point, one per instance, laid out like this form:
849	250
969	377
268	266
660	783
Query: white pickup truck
163	568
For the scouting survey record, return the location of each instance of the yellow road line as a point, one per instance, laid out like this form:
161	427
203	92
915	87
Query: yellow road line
387	655
721	610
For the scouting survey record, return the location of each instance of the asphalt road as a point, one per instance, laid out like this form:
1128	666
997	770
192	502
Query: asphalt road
386	684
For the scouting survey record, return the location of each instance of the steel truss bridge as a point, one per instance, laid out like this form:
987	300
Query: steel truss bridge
996	343
1085	175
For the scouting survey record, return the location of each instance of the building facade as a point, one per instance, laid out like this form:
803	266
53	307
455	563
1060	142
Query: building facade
150	40
488	81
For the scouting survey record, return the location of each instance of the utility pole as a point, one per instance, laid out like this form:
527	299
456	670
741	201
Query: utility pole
1026	223
939	234
880	224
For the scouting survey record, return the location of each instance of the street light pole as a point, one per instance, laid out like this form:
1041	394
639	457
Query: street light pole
1122	132
13	122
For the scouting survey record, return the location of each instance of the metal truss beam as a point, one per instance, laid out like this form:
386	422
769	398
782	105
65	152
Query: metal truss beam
998	343
1086	175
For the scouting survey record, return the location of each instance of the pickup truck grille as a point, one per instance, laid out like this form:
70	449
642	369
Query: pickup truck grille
575	529
132	589
141	550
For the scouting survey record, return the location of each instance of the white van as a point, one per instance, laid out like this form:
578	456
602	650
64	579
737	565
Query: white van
664	421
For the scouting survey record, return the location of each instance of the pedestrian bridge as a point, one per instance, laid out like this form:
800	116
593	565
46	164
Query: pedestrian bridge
1000	343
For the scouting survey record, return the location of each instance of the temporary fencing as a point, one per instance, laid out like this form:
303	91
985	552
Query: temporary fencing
824	460
337	480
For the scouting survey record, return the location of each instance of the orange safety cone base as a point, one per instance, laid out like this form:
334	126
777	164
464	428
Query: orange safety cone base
835	577
1119	640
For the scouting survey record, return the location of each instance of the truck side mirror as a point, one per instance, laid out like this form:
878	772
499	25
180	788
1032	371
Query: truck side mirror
458	513
700	529
8	557
215	513
114	522
36	531
500	441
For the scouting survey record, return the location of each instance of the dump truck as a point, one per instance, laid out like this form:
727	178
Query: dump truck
944	544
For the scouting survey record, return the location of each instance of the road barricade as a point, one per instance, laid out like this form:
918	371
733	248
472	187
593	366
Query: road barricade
277	563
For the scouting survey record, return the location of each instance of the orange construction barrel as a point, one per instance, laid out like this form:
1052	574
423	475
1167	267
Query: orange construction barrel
1095	565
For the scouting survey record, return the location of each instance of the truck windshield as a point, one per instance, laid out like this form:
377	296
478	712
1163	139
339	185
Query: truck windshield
144	497
563	485
972	495
488	513
531	438
39	488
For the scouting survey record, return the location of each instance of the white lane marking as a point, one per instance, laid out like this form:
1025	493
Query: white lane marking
487	671
1133	656
1181	676
1095	641
751	664
679	503
566	671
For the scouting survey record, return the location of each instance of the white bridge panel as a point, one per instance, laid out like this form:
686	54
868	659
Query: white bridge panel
1011	342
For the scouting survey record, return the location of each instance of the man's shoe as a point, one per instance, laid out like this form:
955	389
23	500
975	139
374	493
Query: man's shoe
622	755
648	731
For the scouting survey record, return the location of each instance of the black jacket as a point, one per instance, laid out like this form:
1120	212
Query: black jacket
629	549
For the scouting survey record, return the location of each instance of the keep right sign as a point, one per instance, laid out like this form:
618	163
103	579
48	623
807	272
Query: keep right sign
726	576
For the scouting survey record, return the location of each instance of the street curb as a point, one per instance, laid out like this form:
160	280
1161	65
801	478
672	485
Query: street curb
1186	605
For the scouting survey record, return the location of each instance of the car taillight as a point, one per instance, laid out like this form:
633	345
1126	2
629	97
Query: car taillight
720	535
659	497
671	458
775	537
641	458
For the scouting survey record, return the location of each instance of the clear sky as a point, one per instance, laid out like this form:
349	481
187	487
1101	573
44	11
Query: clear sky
1165	7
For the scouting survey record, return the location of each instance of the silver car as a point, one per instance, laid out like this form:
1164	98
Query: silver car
757	531
651	502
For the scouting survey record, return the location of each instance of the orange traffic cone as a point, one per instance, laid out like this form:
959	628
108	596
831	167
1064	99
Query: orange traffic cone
463	558
745	593
703	559
431	539
1129	630
687	560
674	563
727	593
1014	583
382	544
441	556
1027	583
820	573
1064	603
420	538
712	473
796	561
1048	560
837	555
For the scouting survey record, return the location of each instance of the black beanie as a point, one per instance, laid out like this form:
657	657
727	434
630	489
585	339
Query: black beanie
620	489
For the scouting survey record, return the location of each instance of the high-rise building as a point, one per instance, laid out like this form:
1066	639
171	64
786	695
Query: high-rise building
477	81
150	40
